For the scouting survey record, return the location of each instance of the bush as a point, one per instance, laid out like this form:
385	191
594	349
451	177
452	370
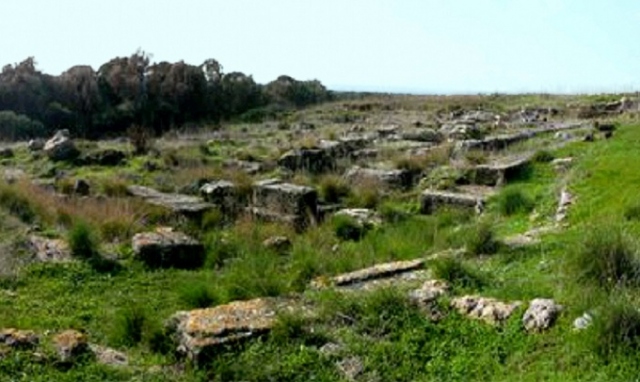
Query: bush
543	156
82	241
481	240
347	228
456	273
141	139
607	256
333	189
616	329
512	201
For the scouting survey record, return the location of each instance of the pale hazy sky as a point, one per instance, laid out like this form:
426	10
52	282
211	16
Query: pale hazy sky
443	46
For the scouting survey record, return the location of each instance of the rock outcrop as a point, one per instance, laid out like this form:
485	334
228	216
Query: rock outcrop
166	248
486	309
431	200
199	333
61	147
388	179
191	206
541	314
285	202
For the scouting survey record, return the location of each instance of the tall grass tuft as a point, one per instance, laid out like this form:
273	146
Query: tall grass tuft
513	201
197	295
481	240
607	256
616	329
456	273
333	188
129	325
82	241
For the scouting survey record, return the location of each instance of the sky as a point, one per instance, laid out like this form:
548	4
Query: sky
408	46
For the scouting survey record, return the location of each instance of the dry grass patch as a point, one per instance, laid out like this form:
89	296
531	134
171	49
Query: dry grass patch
115	218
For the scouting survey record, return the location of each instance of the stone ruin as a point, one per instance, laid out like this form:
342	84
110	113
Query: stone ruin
284	202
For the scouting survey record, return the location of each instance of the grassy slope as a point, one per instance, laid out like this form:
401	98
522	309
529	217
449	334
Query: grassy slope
410	347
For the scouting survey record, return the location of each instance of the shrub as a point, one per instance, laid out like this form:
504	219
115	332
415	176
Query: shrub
512	201
347	228
481	240
333	188
82	241
140	138
616	329
607	256
543	156
456	273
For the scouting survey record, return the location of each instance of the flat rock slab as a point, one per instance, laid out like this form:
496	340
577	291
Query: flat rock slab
200	333
497	173
430	200
179	203
372	177
368	277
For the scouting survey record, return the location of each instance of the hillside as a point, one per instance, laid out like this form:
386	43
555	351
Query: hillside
388	238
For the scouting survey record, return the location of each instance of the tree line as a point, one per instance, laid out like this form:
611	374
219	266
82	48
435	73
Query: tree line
128	91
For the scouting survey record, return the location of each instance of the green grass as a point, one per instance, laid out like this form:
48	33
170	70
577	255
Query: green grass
395	340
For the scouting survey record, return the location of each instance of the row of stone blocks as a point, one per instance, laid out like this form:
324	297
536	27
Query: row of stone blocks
270	200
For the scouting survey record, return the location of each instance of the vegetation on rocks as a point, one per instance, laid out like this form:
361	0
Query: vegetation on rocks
199	257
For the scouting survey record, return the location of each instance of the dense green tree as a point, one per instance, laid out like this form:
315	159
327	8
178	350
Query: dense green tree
131	90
